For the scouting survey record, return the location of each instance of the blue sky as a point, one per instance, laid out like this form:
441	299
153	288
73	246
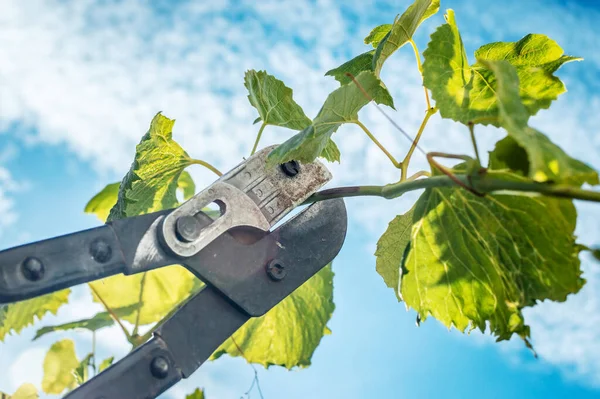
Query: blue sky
80	81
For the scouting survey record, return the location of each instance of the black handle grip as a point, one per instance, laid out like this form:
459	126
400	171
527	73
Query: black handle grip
143	374
46	266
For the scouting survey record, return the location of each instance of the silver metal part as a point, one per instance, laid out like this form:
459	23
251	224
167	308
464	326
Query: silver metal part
251	195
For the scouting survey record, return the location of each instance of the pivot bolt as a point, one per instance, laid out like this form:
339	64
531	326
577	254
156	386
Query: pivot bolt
159	367
276	270
187	228
291	168
100	250
33	269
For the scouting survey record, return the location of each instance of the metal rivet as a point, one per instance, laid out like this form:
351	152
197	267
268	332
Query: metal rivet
291	168
270	209
247	175
100	250
211	191
259	192
159	367
276	270
33	269
187	228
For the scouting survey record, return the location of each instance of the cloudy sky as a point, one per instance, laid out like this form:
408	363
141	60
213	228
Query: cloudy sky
81	80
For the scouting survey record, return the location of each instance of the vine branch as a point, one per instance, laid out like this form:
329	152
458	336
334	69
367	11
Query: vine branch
483	184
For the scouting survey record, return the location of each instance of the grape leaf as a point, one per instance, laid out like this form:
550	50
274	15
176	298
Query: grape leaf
402	30
331	152
546	160
81	372
186	184
15	317
197	394
377	34
106	363
288	334
467	93
391	248
151	182
59	363
274	102
149	186
99	321
475	259
25	391
341	106
355	66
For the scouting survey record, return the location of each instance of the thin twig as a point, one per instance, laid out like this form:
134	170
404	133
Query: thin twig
206	165
139	311
415	143
110	311
255	380
378	144
258	136
420	66
471	126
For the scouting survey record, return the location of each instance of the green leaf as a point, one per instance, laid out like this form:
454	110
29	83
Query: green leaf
355	66
81	372
273	101
106	363
475	259
403	29
289	333
341	106
99	321
151	182
25	391
101	203
59	363
377	34
15	317
468	93
545	160
391	248
197	394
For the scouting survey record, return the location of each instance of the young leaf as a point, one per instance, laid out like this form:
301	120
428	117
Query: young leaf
273	101
331	152
377	34
355	66
25	391
465	93
403	29
17	316
102	203
151	182
59	363
106	363
81	372
546	160
341	106
197	394
391	248
99	321
475	259
289	333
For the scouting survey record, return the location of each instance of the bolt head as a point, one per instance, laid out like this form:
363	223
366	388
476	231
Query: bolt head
159	367
187	228
33	269
276	270
291	168
100	250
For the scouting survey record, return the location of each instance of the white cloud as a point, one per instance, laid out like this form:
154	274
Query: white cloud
8	214
90	75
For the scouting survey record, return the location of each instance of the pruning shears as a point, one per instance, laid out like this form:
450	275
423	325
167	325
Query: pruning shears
246	267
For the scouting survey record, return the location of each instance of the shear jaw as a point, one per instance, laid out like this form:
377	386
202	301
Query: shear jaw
250	195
